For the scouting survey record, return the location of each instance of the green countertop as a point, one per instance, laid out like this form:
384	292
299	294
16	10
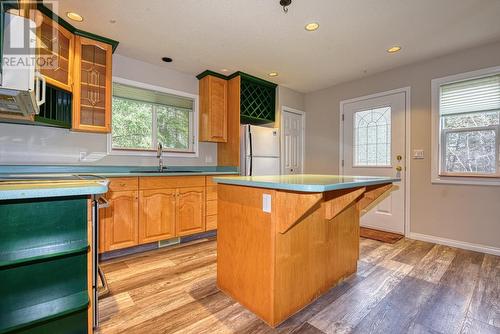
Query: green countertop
305	182
24	181
12	189
114	171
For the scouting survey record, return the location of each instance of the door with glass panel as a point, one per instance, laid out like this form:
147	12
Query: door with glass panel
374	145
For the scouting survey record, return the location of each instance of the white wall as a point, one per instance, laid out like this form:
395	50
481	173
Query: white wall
24	144
463	213
288	98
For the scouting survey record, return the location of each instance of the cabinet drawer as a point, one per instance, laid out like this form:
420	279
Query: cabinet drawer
211	222
162	182
211	208
211	193
123	183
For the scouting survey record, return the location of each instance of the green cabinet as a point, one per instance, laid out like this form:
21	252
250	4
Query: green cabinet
257	99
43	265
56	110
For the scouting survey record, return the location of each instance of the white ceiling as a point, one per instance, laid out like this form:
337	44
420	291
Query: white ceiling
256	37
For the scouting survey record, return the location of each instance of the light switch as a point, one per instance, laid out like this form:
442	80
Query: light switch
418	154
266	203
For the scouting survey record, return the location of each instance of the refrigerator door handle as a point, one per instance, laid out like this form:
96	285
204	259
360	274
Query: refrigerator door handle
250	143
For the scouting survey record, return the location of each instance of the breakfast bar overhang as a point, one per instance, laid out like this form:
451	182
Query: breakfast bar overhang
285	240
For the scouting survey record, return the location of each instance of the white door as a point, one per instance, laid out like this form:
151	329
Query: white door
374	144
292	128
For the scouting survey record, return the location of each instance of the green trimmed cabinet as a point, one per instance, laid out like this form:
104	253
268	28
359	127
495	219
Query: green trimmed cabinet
227	102
44	252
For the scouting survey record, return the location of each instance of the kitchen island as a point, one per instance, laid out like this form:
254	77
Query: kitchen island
285	240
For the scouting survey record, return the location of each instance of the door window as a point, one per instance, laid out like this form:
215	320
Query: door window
372	138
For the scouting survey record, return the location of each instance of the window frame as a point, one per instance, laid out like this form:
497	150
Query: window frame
167	152
438	135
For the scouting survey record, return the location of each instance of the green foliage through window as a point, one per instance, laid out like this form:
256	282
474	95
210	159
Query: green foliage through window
139	125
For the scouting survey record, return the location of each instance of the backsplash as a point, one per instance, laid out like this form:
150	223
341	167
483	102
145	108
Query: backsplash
35	145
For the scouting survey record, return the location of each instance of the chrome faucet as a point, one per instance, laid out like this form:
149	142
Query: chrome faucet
159	155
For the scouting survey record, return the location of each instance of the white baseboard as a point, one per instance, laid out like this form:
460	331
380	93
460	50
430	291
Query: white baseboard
455	243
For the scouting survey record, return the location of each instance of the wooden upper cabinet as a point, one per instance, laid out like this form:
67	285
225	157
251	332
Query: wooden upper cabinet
55	47
190	210
120	220
213	109
92	88
156	215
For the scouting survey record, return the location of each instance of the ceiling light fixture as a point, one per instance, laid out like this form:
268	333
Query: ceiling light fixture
273	74
285	4
394	49
74	16
224	70
167	59
312	26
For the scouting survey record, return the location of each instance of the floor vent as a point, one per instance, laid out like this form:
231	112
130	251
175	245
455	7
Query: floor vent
169	242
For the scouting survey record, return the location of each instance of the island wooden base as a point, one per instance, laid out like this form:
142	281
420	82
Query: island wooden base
276	263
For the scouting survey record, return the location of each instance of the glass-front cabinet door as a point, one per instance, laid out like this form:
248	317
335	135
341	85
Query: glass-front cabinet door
55	46
92	87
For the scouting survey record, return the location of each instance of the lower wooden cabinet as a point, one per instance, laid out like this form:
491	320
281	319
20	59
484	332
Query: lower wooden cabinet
149	209
211	223
157	210
190	215
120	220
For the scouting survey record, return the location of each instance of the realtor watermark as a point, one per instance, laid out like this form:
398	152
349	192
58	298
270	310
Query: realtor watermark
29	40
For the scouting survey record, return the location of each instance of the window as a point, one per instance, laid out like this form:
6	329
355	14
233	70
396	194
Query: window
468	122
372	138
142	118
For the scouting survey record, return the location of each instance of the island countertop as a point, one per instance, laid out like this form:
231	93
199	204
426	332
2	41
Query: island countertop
305	182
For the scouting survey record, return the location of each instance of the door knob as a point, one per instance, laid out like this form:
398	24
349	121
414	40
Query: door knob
399	157
399	168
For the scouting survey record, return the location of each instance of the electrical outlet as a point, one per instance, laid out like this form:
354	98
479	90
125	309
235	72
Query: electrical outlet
83	155
209	159
266	203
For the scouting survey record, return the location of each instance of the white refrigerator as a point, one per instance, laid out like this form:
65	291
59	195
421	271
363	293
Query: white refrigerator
260	150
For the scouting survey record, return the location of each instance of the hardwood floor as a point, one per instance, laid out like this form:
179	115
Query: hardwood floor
406	287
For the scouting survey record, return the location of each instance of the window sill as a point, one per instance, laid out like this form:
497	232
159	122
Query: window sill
473	180
152	153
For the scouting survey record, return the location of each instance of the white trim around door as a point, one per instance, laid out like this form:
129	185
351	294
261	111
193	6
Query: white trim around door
303	115
407	92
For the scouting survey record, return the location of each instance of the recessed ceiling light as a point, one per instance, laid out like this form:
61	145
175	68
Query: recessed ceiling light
273	74
112	21
394	49
312	26
224	70
74	16
167	59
